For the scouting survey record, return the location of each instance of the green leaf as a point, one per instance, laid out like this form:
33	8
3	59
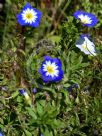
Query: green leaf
27	133
42	102
48	133
31	113
15	94
66	85
39	109
55	38
49	89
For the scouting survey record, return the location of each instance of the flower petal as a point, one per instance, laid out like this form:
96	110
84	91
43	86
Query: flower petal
86	46
87	19
29	16
51	69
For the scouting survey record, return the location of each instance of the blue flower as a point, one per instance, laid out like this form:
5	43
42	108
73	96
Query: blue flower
87	19
29	16
23	92
1	133
86	46
34	90
74	86
51	69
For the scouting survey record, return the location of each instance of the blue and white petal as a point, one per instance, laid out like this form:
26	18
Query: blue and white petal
87	19
86	46
51	69
23	92
29	16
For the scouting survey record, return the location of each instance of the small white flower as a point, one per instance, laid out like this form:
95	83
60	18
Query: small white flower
86	46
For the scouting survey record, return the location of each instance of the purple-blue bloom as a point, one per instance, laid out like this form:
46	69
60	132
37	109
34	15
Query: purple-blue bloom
85	35
29	16
73	86
51	69
25	94
87	19
1	133
34	90
22	91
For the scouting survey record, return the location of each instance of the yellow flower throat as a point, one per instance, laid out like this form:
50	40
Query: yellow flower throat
84	21
50	69
29	15
84	46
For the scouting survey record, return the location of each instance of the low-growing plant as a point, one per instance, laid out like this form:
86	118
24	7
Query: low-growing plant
51	68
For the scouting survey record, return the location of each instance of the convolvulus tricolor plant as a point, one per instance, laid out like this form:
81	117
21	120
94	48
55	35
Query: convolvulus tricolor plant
51	68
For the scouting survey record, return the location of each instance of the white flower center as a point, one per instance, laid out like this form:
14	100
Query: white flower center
85	19
50	69
29	15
